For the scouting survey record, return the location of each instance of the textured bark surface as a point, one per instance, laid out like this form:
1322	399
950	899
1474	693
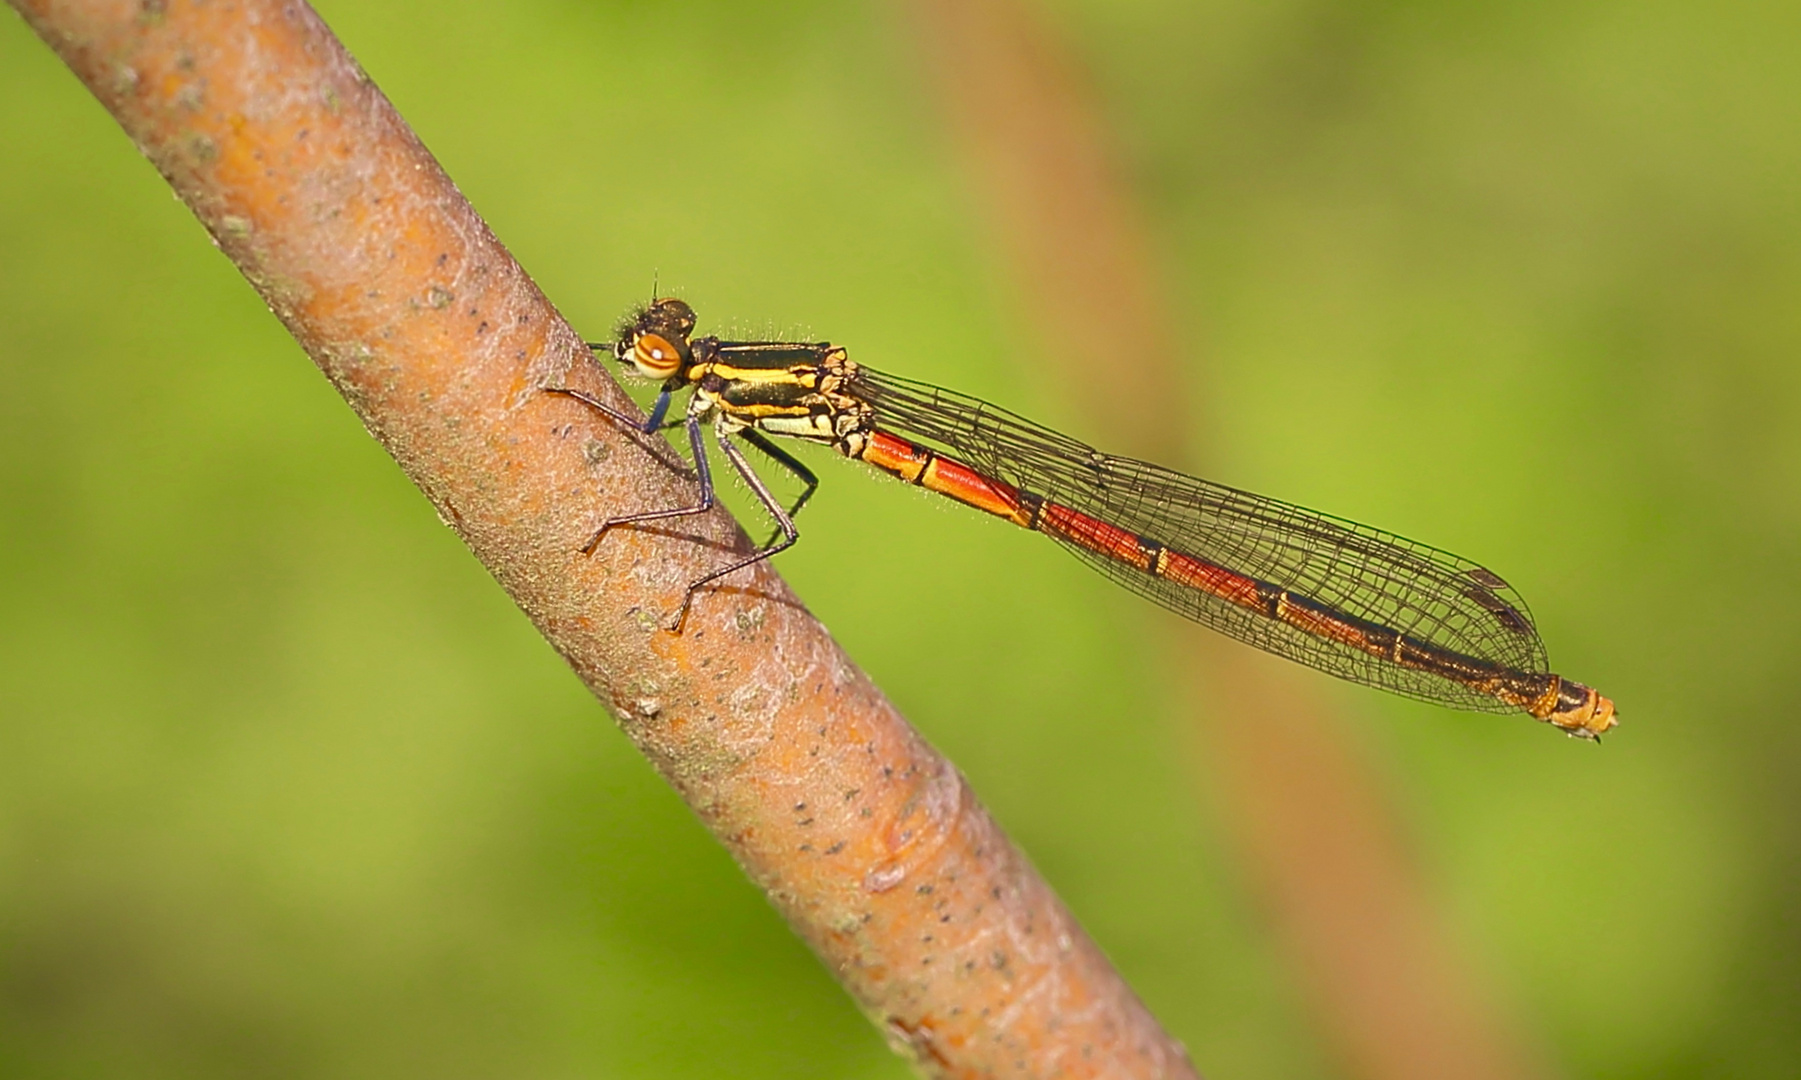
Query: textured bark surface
868	841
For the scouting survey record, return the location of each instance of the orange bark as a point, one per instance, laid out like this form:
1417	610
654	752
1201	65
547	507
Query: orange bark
866	839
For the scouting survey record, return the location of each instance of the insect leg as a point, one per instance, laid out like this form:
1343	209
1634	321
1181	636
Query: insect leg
784	523
792	464
701	469
647	426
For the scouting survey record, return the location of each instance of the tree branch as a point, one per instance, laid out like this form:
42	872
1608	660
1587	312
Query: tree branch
865	838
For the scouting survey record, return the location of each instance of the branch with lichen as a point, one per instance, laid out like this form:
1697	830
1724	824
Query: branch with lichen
866	839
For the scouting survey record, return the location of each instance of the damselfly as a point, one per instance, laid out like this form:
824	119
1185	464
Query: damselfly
1354	601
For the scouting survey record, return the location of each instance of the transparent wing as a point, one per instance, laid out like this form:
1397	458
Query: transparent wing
1432	596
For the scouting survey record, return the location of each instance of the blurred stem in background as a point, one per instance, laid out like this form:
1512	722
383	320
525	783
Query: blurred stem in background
1310	818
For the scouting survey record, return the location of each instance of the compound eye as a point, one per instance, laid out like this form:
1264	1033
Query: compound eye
655	356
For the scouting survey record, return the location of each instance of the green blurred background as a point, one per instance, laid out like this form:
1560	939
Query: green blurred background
289	788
